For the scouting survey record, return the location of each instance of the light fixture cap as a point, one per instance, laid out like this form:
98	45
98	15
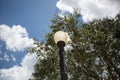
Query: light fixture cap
60	36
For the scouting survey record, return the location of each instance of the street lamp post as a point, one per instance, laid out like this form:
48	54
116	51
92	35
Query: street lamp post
60	38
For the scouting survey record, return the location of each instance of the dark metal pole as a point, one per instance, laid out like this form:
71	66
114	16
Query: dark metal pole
63	71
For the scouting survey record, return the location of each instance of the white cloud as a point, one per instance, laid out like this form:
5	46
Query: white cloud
13	58
15	37
91	9
6	57
22	72
68	45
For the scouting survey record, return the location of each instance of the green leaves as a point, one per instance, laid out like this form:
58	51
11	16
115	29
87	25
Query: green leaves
95	53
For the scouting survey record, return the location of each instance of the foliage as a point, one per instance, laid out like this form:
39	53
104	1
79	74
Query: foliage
94	52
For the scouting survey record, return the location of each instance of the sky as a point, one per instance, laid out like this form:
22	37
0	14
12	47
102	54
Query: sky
23	20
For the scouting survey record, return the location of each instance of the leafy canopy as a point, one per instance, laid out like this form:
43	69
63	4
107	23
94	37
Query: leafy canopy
93	52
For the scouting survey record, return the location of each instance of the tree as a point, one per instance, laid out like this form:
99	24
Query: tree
93	52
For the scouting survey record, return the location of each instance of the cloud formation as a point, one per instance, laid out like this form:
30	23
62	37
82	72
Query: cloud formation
22	72
6	57
91	9
15	37
13	58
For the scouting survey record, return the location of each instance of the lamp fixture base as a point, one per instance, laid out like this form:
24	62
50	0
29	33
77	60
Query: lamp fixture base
61	44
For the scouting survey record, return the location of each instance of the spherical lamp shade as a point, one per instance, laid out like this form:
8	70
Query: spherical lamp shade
60	36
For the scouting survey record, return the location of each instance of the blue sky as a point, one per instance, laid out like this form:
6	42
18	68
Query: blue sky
22	20
34	15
